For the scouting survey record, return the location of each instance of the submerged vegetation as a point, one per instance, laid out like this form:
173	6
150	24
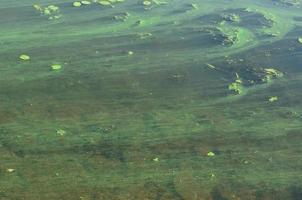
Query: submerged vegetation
151	99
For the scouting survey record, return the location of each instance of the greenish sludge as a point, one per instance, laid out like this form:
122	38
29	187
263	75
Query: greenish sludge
166	100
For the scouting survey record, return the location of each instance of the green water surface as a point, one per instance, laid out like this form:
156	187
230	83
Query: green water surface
132	101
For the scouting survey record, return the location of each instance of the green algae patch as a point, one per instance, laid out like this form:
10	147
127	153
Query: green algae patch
211	154
61	132
155	159
147	3
231	18
236	87
271	73
76	4
157	2
272	99
56	67
105	3
85	2
130	53
24	57
10	170
51	11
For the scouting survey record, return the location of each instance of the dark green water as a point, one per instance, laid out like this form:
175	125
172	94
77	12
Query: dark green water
176	100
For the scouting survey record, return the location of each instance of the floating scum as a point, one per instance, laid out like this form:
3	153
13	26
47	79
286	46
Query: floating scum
230	39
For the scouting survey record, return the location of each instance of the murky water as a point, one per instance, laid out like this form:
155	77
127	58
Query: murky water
159	99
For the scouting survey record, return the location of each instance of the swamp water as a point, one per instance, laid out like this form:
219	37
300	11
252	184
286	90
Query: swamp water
159	99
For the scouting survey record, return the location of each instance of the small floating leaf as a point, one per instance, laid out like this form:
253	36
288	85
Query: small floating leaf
53	8
272	99
24	57
156	159
105	3
10	170
210	154
86	2
147	3
56	67
38	8
61	132
77	4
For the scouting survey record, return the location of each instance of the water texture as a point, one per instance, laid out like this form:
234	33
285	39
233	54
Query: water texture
151	100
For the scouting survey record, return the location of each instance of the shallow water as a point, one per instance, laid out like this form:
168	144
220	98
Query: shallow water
142	108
